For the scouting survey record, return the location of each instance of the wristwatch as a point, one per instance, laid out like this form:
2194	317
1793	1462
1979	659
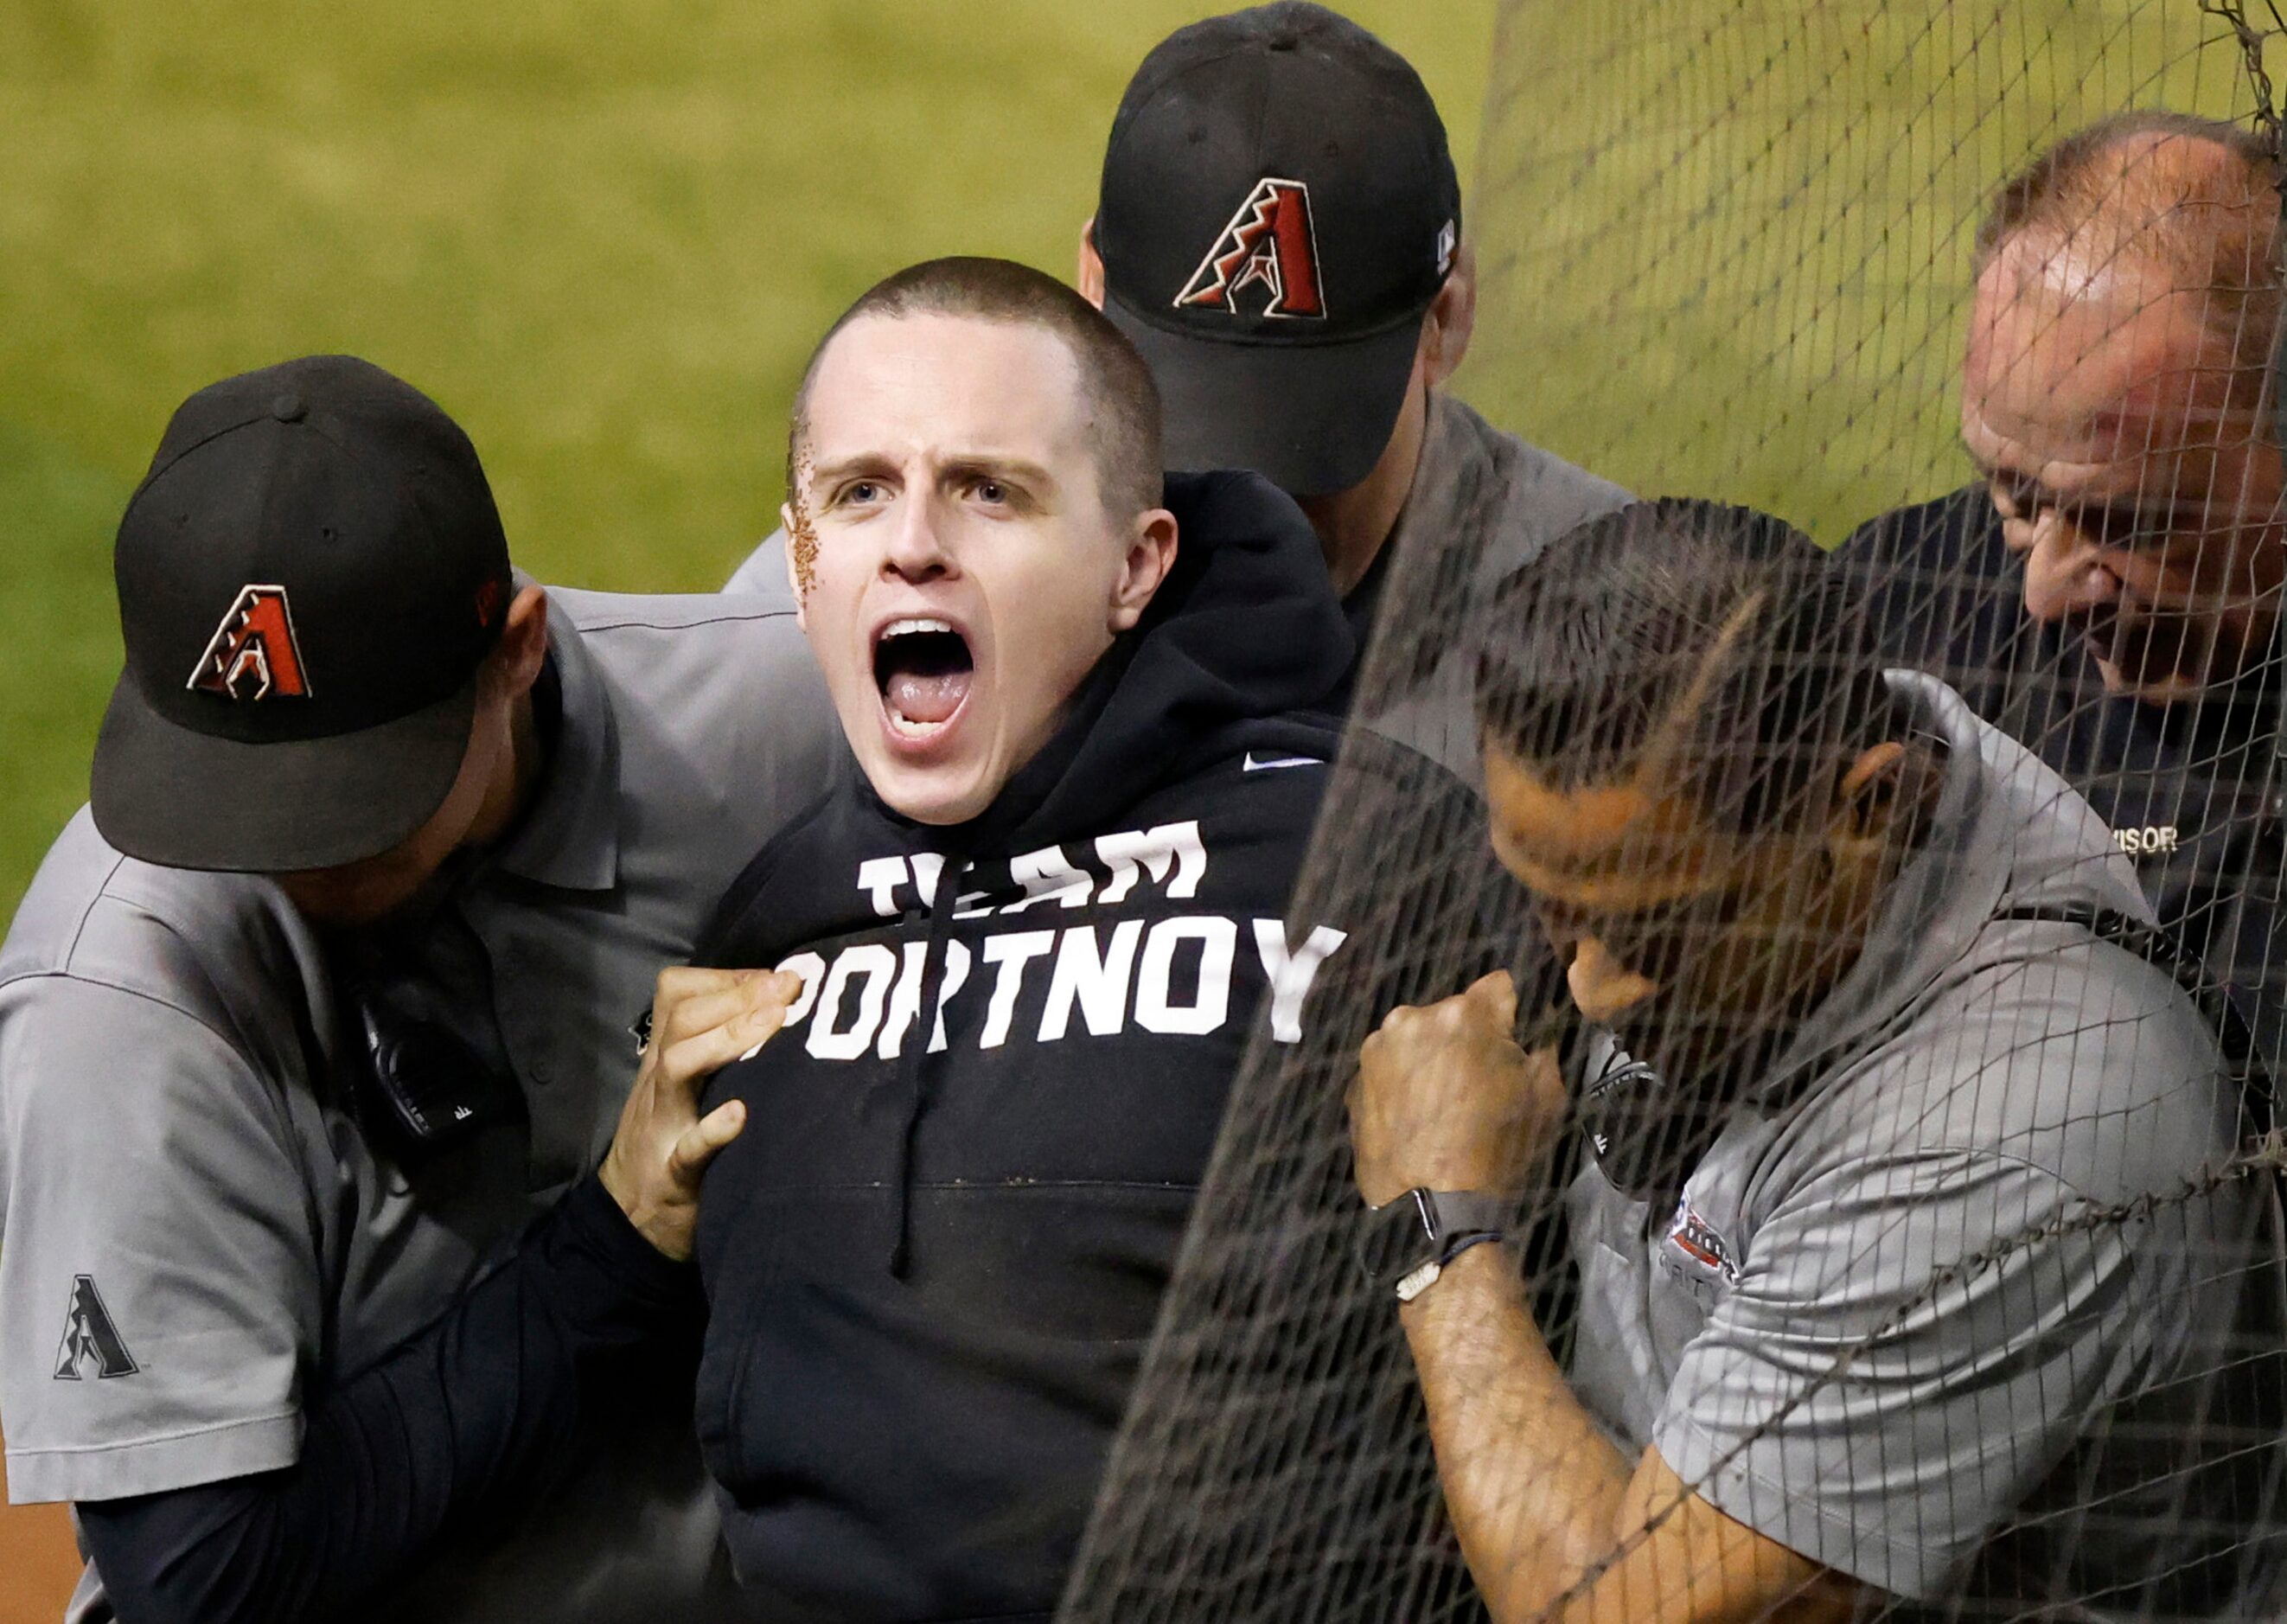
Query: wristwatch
1407	1243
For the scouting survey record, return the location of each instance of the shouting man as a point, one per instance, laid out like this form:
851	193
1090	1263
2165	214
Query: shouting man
1933	1277
1034	941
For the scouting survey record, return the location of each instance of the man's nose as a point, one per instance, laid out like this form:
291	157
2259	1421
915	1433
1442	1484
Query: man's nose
917	549
1602	988
2064	575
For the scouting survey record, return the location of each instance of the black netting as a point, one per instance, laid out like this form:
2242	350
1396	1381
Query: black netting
1938	1238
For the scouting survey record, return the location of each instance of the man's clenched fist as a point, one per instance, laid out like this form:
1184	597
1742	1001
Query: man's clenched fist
1446	1099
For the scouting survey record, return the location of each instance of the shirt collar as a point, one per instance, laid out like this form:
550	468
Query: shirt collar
570	836
1944	895
1443	491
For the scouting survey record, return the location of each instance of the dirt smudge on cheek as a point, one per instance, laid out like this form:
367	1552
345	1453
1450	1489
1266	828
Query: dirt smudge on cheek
802	534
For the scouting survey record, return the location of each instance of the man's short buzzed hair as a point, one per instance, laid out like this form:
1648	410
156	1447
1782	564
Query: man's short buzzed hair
1718	638
1123	399
2196	198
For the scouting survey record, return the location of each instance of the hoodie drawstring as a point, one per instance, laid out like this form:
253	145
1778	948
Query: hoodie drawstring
939	904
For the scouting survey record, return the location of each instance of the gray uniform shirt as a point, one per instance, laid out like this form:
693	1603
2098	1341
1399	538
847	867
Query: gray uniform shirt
179	1158
1482	504
764	569
1803	1337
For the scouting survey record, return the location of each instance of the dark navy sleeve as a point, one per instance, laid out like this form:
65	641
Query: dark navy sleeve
1942	591
446	1442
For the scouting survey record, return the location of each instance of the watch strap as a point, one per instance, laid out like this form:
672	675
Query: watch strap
1423	1276
1441	1224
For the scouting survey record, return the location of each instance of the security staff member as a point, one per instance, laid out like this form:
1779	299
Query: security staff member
327	997
2107	589
1280	230
1933	1276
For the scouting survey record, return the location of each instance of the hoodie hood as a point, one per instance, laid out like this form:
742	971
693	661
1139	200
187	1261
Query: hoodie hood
1246	627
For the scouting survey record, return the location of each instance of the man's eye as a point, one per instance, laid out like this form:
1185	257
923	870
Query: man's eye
991	490
860	491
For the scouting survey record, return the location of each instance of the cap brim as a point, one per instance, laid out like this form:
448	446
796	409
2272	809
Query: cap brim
1313	418
168	795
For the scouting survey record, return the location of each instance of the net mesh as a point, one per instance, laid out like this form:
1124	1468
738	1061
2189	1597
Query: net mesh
1960	1276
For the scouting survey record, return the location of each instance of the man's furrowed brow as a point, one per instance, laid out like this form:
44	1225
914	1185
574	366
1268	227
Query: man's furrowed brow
991	465
856	463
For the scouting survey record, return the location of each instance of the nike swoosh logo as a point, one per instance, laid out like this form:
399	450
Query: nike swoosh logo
1252	766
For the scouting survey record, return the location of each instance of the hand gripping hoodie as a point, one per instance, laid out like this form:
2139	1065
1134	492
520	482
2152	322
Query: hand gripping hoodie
935	1254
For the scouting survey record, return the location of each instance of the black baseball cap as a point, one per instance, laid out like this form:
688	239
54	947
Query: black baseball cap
309	578
1279	209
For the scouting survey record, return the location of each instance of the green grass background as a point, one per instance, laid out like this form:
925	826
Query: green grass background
1727	241
1723	241
604	236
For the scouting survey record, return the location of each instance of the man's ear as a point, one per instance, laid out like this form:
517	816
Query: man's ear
1150	555
793	566
523	648
1089	278
1452	318
1866	798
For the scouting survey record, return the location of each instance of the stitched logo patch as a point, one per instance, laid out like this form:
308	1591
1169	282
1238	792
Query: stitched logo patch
1697	1240
252	654
91	1345
1270	243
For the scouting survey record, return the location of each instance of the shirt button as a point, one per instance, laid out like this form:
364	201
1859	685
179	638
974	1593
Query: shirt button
541	1076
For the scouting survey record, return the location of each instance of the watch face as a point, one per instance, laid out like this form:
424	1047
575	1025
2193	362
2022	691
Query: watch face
1398	1237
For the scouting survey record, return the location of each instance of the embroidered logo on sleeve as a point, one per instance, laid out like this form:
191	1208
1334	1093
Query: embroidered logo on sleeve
91	1343
1705	1251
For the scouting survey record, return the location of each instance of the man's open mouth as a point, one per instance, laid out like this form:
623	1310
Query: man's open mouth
924	668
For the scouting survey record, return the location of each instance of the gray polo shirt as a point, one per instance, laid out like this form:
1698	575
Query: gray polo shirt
1886	1326
1483	504
764	569
184	1183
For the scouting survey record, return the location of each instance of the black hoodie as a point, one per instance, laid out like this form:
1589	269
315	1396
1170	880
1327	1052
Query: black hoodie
935	1254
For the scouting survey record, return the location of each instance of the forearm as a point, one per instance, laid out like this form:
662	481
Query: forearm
454	1434
1533	1487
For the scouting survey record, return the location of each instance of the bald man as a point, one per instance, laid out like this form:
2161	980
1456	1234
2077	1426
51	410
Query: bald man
2107	588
